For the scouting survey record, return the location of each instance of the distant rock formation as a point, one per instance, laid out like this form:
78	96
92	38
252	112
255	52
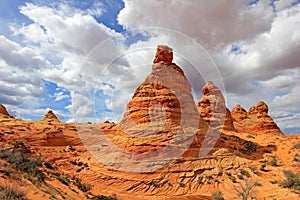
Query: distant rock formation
50	117
3	111
212	108
256	120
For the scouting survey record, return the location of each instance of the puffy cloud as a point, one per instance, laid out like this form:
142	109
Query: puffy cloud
19	71
79	54
212	23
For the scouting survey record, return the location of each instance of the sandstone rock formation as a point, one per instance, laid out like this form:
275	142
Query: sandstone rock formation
163	54
164	99
213	109
256	120
50	117
160	121
3	111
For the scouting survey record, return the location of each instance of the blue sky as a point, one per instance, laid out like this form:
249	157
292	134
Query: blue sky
84	59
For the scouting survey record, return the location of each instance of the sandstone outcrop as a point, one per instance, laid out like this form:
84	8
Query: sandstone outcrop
213	110
50	117
164	100
3	111
256	120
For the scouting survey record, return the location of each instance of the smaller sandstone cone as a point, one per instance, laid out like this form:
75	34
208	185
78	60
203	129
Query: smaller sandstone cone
213	109
256	120
3	111
50	116
238	113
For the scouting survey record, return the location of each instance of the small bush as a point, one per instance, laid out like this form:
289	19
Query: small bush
274	182
245	173
297	145
297	158
240	177
154	183
64	179
181	184
273	162
292	180
258	184
232	178
263	167
218	196
10	193
48	165
82	186
101	197
249	148
73	162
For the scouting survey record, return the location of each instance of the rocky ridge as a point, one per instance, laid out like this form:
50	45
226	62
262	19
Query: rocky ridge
256	120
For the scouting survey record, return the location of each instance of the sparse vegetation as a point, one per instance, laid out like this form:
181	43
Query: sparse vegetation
258	184
17	157
101	197
181	184
11	193
245	190
254	170
217	196
154	183
82	186
249	148
274	181
64	179
240	177
297	158
231	177
273	161
48	165
263	167
250	136
297	145
245	173
292	180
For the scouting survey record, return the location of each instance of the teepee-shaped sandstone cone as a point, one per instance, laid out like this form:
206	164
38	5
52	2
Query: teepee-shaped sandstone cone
213	109
50	117
162	107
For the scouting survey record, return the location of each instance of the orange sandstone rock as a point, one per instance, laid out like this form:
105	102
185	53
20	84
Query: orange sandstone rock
3	111
213	109
50	117
256	120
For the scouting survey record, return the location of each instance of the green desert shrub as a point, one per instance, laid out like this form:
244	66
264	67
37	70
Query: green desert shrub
292	180
18	158
82	186
11	193
217	196
297	145
63	179
273	161
245	173
101	197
